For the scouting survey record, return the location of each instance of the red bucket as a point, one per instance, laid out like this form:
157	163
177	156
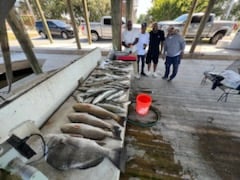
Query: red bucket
143	102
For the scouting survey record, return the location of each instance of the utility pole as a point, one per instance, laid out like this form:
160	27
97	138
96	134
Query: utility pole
202	24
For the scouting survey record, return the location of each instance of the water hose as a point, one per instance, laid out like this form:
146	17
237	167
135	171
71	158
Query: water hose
148	124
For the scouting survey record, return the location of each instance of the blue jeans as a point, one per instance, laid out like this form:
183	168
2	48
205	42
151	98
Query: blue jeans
174	61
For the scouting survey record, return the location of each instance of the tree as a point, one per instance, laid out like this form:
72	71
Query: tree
53	9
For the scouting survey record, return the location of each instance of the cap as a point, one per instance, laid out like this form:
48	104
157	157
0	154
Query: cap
144	24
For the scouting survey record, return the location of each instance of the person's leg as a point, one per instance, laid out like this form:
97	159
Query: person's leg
138	60
167	67
148	62
142	66
175	62
155	63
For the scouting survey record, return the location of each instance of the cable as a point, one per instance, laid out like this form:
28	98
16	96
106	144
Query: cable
44	147
149	124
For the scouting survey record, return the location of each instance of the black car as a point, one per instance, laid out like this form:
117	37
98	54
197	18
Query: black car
56	27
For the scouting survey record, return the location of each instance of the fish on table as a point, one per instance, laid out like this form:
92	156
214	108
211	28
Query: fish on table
66	152
89	131
97	111
78	117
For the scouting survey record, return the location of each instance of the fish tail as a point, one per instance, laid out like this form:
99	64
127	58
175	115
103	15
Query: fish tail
115	157
117	132
120	120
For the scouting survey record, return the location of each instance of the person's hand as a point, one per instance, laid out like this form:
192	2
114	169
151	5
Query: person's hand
129	45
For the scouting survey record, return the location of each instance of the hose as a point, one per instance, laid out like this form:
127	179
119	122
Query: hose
149	124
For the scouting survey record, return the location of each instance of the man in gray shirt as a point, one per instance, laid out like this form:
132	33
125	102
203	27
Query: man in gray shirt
174	46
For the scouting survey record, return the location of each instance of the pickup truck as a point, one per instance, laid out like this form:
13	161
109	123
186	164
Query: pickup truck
214	30
103	29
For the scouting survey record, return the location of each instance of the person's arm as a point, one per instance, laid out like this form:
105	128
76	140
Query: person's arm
135	42
124	44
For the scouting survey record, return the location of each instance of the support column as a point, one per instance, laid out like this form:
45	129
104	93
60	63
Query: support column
18	28
76	31
6	55
116	12
202	24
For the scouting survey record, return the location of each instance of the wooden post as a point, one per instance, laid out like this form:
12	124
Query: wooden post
76	31
5	6
6	55
202	24
129	9
116	12
87	21
44	21
193	6
17	27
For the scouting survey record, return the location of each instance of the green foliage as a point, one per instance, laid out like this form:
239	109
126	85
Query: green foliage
97	9
170	9
53	9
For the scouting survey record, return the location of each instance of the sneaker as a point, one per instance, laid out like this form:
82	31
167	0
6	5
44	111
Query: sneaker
164	77
155	74
169	80
137	76
143	74
148	73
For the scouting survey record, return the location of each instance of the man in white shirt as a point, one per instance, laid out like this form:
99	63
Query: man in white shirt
129	41
142	44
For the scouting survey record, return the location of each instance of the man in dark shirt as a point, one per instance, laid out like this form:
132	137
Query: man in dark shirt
157	38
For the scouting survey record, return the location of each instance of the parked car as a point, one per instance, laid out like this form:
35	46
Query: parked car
56	27
103	29
214	30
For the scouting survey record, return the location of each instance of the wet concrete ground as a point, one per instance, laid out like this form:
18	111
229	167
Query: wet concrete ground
196	137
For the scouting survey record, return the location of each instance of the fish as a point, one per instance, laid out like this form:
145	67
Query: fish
112	108
97	111
92	120
103	95
66	152
119	93
88	131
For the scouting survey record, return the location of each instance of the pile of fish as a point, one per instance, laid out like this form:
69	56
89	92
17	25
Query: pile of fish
99	113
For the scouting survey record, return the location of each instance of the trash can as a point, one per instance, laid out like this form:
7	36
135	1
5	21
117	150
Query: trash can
143	102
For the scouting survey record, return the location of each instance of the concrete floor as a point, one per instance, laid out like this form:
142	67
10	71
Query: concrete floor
198	136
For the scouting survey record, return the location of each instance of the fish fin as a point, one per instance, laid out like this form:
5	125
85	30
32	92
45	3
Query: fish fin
117	132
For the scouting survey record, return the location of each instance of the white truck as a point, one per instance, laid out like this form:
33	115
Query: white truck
102	29
214	30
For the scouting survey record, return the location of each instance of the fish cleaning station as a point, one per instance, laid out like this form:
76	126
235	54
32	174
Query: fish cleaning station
82	115
76	106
